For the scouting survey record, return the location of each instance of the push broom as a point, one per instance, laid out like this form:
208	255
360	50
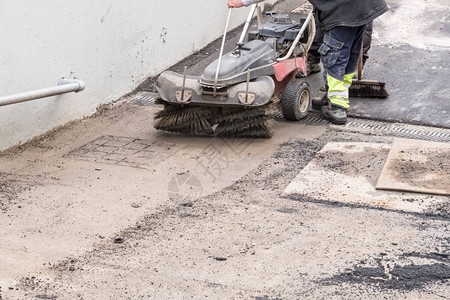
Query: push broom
363	88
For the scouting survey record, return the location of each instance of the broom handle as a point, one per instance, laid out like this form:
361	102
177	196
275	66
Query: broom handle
360	62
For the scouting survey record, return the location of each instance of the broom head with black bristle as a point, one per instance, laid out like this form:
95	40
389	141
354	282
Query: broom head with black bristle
368	89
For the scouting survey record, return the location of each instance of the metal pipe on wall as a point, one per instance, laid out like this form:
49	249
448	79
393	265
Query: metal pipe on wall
64	86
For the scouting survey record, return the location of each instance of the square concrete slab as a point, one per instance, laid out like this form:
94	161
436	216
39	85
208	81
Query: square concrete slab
347	173
417	166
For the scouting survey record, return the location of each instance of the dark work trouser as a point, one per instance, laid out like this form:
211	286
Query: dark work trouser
340	53
318	40
367	41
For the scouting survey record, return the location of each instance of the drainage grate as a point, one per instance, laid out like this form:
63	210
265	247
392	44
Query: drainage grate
144	99
314	119
403	130
395	129
124	151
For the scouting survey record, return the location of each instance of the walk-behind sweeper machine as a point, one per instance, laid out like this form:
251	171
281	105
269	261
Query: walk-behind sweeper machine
239	92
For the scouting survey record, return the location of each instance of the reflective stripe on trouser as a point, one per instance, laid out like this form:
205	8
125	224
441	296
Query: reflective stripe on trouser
338	90
348	80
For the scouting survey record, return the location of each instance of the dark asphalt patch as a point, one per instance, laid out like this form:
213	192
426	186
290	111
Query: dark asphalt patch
442	257
414	99
285	210
266	298
417	276
118	240
399	277
46	297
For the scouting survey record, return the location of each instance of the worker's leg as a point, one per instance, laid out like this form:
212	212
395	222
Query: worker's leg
355	53
336	52
367	41
352	64
313	61
313	64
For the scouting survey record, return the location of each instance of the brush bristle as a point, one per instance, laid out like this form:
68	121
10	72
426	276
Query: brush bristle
232	122
190	120
361	90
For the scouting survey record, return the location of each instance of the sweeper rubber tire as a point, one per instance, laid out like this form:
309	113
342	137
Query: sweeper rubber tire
296	100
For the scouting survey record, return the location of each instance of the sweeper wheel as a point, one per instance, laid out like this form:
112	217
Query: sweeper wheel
296	100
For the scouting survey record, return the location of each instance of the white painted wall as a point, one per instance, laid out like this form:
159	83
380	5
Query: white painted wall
112	45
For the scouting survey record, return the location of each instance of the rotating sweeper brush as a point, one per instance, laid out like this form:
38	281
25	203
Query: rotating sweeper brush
240	91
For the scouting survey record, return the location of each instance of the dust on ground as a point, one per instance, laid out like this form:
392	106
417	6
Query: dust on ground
414	171
11	186
246	242
8	192
373	159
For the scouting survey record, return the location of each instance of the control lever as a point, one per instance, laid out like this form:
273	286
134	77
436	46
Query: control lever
240	47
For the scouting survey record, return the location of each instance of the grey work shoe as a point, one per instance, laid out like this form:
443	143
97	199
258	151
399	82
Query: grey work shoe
335	114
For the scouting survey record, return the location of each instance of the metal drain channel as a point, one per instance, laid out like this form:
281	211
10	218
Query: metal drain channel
395	129
403	130
144	99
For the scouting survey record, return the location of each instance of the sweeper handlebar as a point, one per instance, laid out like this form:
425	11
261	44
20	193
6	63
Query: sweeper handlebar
247	22
221	50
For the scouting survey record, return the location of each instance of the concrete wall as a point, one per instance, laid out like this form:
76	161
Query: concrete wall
112	45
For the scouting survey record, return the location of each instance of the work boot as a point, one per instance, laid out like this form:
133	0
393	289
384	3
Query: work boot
335	114
318	102
312	64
